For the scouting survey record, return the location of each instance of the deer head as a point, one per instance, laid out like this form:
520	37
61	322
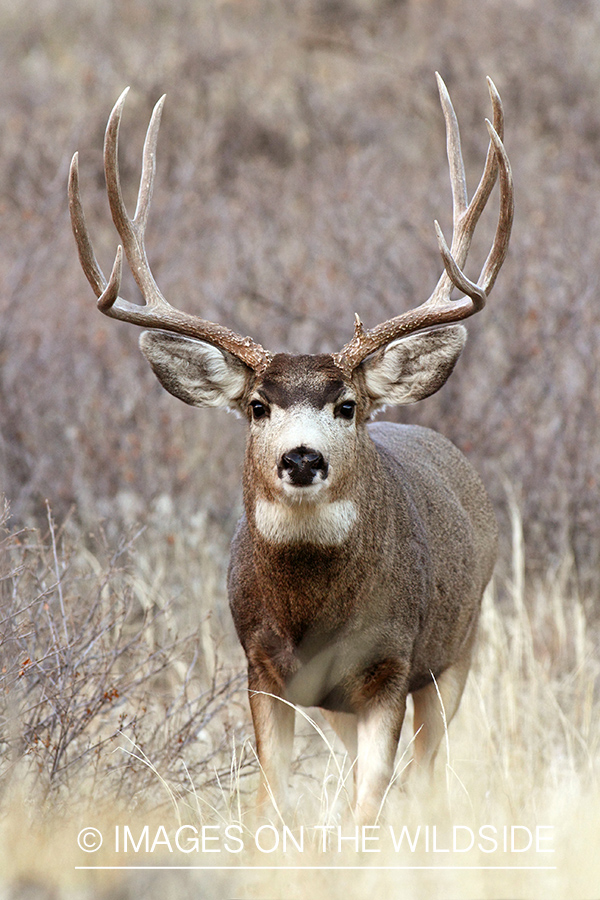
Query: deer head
397	362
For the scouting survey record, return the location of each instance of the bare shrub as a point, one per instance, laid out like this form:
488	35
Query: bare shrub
523	750
86	669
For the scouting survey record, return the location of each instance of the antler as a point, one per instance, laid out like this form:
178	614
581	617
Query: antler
157	312
439	309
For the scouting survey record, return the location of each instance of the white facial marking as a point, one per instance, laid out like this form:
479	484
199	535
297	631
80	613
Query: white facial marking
302	426
294	493
315	513
323	524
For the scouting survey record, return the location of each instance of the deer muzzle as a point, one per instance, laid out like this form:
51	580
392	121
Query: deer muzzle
302	466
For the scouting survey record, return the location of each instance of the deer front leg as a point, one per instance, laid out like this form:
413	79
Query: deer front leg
435	706
379	727
273	721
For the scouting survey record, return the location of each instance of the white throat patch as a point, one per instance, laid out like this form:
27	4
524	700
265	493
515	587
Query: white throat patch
323	524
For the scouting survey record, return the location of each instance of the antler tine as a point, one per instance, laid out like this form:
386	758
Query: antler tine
439	309
87	258
156	311
488	177
499	249
148	166
478	291
456	275
458	181
132	231
466	215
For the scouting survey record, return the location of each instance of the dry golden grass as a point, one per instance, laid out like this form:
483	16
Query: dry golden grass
523	751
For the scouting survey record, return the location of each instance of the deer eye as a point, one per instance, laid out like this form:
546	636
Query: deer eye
346	410
259	410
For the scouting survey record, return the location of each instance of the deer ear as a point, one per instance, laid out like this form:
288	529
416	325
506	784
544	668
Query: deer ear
194	371
414	367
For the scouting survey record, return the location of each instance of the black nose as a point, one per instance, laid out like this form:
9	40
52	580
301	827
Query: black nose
302	465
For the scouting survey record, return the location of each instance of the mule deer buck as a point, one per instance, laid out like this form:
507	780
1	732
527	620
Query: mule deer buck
358	568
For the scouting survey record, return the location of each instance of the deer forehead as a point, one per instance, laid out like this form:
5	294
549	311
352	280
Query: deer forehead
312	381
301	393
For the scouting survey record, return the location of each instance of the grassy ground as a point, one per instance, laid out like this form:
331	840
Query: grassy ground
300	166
114	722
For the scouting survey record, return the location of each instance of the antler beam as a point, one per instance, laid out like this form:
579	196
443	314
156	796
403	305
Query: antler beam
439	309
156	311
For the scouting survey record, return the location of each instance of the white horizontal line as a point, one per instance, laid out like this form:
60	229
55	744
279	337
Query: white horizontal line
367	868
